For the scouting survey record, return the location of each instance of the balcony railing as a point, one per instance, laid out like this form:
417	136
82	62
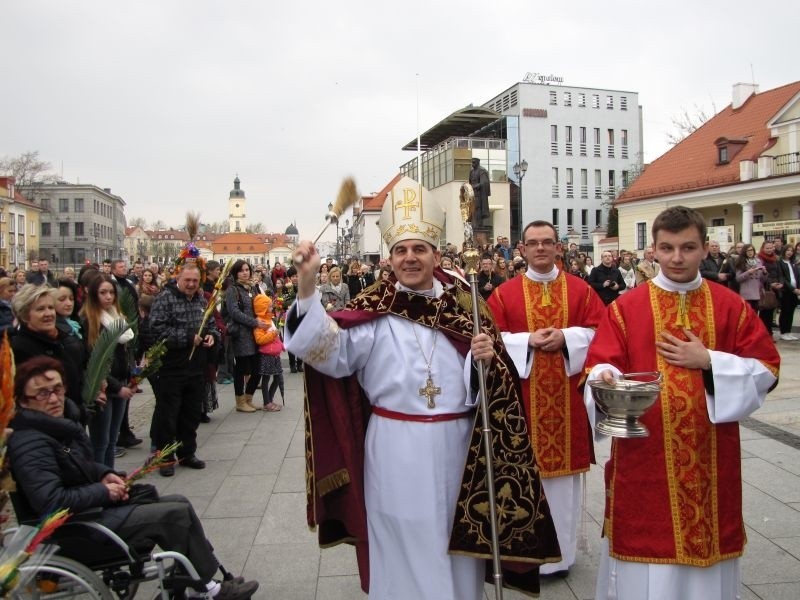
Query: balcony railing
786	164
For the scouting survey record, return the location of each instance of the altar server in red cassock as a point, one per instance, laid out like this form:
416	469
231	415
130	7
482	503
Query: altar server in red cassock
673	523
547	319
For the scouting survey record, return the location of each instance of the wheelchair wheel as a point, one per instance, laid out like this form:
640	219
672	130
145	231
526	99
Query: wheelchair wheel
62	577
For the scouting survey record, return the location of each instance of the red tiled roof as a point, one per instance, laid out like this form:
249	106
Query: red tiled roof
375	203
177	234
692	164
231	243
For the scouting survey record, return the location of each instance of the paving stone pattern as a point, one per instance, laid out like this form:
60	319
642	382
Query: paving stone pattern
251	498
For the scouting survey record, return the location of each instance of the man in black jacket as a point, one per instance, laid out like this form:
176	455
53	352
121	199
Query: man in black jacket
711	267
487	278
42	274
606	279
179	385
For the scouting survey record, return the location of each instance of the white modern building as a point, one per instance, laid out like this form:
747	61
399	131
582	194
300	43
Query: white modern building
573	147
579	144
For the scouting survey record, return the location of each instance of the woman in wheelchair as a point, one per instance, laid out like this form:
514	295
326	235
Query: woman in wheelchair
52	462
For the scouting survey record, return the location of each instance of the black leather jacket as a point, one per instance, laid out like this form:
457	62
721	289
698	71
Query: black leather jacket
52	462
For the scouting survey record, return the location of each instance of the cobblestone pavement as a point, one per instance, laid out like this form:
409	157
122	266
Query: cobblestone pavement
251	498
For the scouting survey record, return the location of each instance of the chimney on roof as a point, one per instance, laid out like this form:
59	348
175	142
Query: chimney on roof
741	92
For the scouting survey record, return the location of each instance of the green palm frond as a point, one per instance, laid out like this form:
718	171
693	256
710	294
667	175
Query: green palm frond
130	311
100	359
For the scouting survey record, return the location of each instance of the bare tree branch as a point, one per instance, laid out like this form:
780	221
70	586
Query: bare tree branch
686	123
27	169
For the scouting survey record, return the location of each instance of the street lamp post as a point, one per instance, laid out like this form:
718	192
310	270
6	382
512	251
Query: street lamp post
64	228
519	170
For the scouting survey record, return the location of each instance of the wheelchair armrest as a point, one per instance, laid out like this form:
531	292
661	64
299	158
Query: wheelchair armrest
83	519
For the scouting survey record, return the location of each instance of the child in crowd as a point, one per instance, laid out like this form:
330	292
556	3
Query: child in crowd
270	347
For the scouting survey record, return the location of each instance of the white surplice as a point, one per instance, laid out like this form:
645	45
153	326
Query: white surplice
564	494
412	470
743	383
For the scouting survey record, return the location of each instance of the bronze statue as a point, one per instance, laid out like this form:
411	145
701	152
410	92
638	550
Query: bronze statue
479	180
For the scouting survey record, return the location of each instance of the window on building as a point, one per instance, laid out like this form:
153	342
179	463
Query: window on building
597	142
758	218
595	100
45	203
63	205
568	140
584	183
78	204
553	139
63	229
598	184
553	98
582	140
623	103
723	155
719	222
598	218
569	217
570	192
567	98
79	229
554	181
555	217
611	180
625	179
585	222
11	222
21	224
641	235
32	227
581	99
623	139
610	143
46	230
610	102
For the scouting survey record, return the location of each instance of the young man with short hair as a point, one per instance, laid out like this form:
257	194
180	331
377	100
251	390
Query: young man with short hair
673	523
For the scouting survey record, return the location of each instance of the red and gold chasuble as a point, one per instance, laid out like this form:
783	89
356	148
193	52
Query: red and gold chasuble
559	426
676	496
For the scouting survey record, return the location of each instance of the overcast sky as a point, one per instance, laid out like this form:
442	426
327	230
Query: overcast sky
166	101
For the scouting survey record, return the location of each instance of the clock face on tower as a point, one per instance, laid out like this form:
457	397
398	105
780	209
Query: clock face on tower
237	205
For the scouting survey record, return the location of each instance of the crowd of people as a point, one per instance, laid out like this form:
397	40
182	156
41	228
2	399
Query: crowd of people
683	308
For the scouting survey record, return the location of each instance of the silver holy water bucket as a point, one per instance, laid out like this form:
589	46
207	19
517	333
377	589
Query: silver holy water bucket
624	401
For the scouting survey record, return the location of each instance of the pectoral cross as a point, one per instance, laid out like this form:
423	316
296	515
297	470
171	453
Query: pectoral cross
430	391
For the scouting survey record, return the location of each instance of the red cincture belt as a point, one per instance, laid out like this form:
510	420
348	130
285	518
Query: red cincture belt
398	416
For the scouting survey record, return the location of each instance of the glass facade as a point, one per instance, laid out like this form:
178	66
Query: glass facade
452	161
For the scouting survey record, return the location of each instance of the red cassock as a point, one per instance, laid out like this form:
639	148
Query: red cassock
559	425
676	496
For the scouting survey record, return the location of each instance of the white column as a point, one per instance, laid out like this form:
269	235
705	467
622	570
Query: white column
747	222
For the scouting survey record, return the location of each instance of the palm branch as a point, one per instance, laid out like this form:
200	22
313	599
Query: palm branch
100	360
130	311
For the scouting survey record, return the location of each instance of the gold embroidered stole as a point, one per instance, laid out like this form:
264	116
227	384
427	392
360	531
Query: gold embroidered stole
547	305
690	440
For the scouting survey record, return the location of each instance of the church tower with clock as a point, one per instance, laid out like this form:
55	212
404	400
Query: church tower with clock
237	220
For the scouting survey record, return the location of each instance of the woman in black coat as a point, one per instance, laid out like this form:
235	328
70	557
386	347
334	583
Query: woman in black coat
52	463
241	321
34	307
790	278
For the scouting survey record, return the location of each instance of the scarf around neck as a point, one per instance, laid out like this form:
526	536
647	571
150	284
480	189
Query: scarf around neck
107	318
